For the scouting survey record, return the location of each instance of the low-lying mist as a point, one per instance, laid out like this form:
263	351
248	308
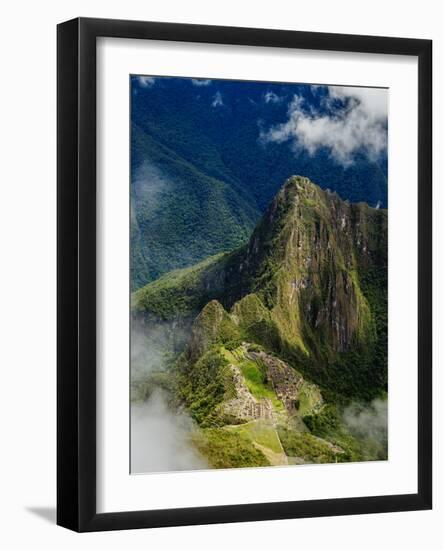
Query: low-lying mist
160	434
155	345
160	438
369	424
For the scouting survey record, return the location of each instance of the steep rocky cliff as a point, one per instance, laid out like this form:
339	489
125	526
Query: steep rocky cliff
310	285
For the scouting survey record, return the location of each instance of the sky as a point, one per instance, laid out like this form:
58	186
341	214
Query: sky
345	121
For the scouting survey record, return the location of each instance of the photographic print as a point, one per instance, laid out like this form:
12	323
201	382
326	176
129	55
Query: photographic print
258	257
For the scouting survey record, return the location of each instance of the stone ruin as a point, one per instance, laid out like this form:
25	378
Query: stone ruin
245	406
285	381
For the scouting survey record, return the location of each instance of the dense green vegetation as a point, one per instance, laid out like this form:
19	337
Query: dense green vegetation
328	425
181	292
179	215
305	446
203	385
225	449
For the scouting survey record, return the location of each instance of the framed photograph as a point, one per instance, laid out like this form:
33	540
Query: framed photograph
244	274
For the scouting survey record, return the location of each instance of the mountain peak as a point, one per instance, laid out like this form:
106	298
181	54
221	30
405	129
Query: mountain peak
302	285
300	182
296	185
304	261
297	190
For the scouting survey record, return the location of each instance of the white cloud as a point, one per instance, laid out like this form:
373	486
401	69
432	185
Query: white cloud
149	183
146	81
161	434
272	97
161	440
201	81
373	100
352	119
369	422
218	100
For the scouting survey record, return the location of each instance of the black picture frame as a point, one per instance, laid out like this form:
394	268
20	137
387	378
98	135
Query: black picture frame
76	266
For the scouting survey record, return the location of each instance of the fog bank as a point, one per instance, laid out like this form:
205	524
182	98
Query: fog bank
160	438
370	423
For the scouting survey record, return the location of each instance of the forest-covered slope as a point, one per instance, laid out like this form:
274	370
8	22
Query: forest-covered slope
179	214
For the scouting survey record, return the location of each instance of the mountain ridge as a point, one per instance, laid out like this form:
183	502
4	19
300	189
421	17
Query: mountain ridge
180	214
309	285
